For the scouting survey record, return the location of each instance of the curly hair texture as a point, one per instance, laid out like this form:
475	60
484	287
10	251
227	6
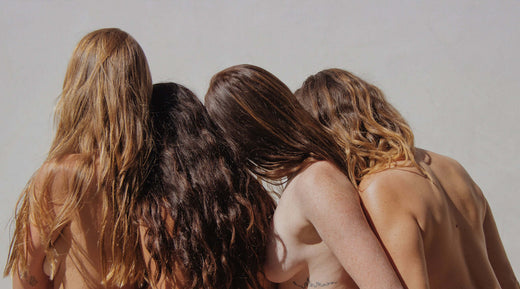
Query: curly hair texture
372	132
205	219
266	124
102	145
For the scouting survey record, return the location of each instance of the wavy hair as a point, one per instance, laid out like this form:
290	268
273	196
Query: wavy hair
102	118
206	218
266	124
372	132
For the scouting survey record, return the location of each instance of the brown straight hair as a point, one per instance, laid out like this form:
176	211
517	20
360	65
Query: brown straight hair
103	140
266	124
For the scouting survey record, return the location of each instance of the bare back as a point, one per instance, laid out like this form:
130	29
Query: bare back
321	238
439	233
77	263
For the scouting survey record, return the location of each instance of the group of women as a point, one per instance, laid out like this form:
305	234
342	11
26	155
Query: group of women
146	187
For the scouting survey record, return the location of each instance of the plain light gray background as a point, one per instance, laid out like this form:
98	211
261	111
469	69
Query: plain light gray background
450	67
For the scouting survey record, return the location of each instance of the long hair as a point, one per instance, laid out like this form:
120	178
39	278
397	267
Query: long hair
372	132
205	216
102	117
266	124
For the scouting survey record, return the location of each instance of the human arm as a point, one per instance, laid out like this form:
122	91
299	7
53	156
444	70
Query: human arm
266	284
33	276
496	253
332	205
399	233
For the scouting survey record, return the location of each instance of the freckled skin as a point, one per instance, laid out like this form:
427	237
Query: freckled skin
440	233
321	238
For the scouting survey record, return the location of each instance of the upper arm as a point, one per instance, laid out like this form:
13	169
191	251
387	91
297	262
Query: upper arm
33	276
400	234
332	205
495	249
496	253
38	198
45	197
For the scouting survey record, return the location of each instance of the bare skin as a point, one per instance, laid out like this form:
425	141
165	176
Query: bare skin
321	238
439	234
77	264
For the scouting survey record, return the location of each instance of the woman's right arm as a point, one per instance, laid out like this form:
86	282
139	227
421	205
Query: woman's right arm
33	276
331	203
497	254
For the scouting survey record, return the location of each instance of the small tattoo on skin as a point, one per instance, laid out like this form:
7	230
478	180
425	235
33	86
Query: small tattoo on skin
315	284
29	279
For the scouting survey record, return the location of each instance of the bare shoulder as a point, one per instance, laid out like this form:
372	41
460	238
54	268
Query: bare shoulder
329	201
320	172
452	174
321	175
62	168
398	190
442	162
55	177
386	191
441	165
320	179
393	182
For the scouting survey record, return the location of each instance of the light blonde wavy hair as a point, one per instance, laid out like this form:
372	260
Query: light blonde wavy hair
372	132
102	120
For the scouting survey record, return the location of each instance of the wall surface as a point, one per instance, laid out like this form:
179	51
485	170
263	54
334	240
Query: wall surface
450	67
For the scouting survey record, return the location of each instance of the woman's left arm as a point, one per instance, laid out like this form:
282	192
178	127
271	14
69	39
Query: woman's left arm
332	204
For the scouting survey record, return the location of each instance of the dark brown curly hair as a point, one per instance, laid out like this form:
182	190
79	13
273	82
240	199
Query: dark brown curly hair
206	217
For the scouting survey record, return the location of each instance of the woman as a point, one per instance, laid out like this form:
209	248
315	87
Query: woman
320	236
74	227
432	218
204	218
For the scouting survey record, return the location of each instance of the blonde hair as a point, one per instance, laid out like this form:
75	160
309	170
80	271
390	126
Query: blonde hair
372	132
102	119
